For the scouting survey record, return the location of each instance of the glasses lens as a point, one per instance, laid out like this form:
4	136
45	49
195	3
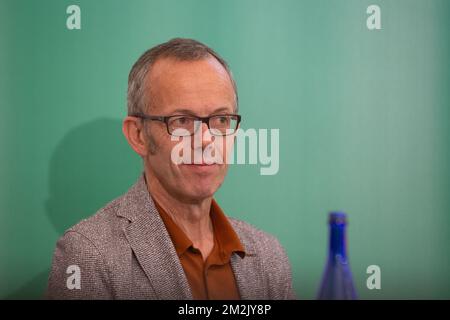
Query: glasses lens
220	125
223	125
182	126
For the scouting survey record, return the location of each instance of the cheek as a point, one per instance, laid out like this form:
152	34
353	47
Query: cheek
230	144
162	142
225	148
160	148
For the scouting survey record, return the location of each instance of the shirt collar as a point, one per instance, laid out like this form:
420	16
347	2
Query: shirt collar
224	234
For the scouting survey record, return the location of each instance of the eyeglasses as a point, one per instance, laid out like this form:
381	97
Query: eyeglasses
186	125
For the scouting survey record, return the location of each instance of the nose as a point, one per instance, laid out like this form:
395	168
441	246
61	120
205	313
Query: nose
202	138
206	136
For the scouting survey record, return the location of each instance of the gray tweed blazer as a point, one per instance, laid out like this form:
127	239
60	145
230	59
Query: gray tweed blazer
125	252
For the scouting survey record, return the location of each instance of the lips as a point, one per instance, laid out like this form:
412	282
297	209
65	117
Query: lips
201	167
201	164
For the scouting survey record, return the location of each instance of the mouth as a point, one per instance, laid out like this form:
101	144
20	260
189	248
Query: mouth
201	167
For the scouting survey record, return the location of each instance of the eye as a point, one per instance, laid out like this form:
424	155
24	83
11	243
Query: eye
182	121
223	119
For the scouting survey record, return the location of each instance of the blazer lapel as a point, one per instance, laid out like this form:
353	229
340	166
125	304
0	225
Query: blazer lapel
156	254
152	245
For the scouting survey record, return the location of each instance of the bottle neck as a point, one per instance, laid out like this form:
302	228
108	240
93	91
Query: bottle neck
337	245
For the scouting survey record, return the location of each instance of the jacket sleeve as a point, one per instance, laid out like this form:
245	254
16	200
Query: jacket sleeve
78	270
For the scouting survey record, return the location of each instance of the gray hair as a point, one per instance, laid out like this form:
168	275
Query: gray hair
180	49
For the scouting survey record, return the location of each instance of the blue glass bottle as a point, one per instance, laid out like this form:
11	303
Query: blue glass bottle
337	281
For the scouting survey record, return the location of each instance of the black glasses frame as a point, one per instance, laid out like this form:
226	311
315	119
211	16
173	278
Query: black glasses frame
166	119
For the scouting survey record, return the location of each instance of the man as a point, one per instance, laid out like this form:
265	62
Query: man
167	238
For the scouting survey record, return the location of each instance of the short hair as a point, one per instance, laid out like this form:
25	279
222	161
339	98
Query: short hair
180	49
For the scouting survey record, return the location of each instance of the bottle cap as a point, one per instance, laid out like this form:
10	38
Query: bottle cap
337	217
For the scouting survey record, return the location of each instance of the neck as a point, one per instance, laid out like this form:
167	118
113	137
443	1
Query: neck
191	216
337	241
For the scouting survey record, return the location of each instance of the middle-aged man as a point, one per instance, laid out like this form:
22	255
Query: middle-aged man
167	238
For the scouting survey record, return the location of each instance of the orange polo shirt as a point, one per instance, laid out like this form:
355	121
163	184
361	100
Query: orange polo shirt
214	278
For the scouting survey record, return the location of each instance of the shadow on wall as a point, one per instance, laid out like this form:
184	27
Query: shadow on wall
92	165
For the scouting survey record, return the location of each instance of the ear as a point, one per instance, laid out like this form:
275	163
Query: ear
133	131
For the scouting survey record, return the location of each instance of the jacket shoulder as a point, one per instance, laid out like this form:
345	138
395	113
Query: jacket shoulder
272	257
102	227
253	235
92	245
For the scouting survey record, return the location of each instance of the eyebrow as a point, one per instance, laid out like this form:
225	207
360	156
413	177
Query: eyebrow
189	111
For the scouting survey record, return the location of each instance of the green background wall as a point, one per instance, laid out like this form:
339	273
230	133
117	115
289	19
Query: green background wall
363	116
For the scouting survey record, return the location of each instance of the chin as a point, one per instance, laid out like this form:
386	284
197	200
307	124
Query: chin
202	194
201	191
